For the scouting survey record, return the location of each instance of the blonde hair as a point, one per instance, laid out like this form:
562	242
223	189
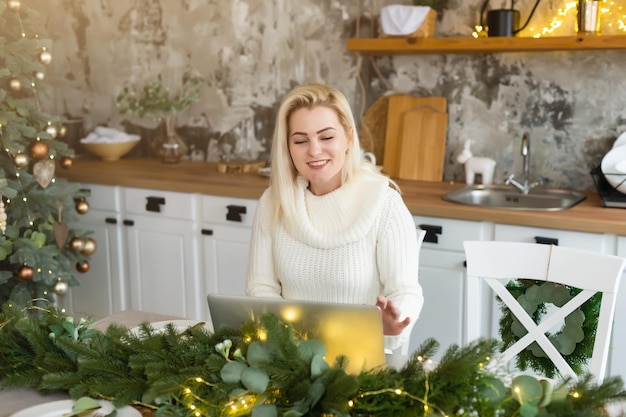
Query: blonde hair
284	174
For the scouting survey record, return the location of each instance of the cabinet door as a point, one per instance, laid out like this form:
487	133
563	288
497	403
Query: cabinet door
225	255
162	271
103	290
226	229
162	246
442	276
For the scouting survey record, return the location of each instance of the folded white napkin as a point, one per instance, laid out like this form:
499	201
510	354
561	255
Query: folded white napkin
398	19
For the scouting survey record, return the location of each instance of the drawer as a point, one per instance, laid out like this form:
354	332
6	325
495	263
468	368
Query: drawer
227	210
161	203
449	234
597	242
103	197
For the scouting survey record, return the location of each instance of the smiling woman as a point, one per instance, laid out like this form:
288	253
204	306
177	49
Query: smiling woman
331	227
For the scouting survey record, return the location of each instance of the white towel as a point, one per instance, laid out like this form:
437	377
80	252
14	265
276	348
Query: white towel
398	20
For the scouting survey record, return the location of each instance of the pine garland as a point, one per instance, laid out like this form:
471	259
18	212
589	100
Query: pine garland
265	369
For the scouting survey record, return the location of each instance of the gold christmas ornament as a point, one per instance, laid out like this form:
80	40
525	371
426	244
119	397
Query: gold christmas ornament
20	160
45	57
66	162
76	244
89	247
82	267
60	287
62	131
52	131
26	273
14	5
39	149
82	206
15	84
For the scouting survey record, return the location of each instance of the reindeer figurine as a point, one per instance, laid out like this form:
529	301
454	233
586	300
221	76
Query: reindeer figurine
476	165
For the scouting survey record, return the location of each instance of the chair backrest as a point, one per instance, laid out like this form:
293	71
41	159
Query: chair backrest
403	349
497	263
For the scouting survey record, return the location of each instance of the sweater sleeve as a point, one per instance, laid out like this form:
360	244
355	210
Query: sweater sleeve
398	260
261	280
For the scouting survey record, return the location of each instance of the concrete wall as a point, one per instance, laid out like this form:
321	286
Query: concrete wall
251	52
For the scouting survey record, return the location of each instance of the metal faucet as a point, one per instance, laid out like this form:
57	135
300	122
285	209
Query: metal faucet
525	185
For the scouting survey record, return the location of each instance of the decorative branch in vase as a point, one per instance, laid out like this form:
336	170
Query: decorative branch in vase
154	99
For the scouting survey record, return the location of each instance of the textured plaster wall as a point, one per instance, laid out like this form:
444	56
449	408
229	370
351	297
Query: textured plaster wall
251	52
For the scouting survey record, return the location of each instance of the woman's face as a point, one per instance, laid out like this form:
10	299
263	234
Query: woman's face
318	144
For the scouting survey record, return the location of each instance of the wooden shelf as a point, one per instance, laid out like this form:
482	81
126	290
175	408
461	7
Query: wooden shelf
412	46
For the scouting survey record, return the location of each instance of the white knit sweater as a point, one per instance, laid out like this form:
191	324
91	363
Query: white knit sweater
347	246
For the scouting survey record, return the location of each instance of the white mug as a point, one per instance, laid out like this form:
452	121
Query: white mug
369	156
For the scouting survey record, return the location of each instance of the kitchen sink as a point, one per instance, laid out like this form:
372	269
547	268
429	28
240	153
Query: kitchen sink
507	197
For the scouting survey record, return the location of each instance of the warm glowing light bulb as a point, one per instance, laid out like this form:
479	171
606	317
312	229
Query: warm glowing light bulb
398	391
198	379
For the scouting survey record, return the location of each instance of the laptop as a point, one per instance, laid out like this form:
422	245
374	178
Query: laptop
352	330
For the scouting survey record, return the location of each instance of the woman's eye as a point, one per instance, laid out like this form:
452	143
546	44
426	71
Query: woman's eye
299	141
328	138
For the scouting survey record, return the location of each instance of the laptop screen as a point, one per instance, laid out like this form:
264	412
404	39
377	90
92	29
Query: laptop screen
352	330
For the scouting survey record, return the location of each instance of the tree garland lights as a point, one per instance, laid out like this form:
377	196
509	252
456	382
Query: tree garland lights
574	340
265	369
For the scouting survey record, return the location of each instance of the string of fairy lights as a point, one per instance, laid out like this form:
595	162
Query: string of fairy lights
611	14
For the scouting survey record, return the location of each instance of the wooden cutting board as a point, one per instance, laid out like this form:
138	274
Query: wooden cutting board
398	105
423	144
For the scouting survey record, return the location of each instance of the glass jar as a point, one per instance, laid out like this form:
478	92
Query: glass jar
167	144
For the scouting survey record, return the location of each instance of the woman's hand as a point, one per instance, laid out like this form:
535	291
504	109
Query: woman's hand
391	315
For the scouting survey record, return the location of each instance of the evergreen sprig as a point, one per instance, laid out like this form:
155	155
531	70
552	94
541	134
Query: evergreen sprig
265	369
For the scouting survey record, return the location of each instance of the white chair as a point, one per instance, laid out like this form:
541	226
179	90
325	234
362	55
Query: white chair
403	350
497	263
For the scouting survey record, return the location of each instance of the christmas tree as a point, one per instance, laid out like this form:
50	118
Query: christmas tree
39	253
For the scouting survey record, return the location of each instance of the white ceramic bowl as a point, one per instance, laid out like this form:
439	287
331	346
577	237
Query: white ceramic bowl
110	151
614	168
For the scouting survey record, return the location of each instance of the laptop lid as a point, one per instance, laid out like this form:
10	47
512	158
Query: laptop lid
351	330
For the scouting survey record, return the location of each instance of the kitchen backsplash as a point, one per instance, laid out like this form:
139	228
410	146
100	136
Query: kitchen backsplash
251	52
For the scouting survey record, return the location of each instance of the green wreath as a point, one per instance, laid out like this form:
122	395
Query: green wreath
574	340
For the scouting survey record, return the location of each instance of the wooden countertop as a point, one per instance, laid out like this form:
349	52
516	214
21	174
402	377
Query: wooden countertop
422	198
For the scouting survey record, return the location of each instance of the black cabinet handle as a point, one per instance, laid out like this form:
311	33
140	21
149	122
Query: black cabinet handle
431	232
235	212
154	204
207	232
547	240
110	220
128	223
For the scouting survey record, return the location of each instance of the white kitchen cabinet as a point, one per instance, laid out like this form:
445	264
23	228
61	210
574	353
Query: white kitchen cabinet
103	290
226	230
161	231
442	276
